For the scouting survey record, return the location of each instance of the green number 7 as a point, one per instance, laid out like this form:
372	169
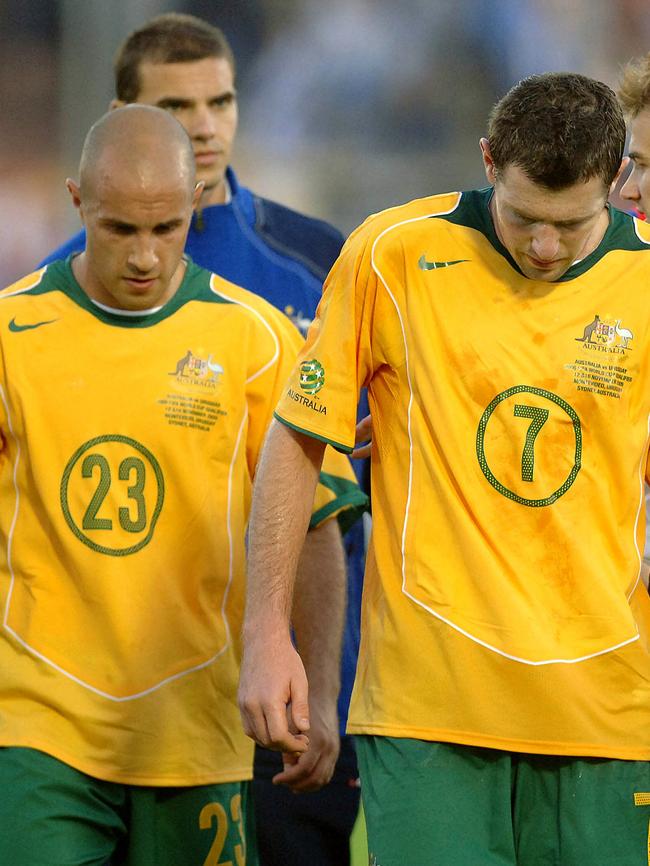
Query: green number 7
538	417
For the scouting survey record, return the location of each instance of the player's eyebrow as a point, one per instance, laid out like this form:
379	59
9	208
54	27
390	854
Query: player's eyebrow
169	101
169	224
120	225
226	94
111	223
574	221
185	102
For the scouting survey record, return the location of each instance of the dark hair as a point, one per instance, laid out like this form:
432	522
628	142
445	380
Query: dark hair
559	128
169	38
634	89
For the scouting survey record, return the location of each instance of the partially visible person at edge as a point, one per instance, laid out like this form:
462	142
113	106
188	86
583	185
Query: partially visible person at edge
634	95
502	698
136	391
186	66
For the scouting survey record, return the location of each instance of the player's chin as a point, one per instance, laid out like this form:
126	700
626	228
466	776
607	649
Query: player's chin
543	274
138	304
212	177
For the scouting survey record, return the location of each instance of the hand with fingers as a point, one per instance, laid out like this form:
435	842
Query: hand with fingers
273	698
310	770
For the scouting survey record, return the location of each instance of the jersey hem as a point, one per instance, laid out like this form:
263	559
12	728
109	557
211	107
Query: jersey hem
241	774
339	447
533	747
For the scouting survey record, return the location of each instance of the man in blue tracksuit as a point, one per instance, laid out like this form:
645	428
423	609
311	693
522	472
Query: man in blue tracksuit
186	66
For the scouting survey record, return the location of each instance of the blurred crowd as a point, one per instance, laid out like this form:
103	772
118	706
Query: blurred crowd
346	107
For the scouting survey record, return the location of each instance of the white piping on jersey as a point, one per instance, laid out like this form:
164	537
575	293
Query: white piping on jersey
262	320
410	478
39	277
16	507
61	670
636	231
642	463
517	658
134	314
231	469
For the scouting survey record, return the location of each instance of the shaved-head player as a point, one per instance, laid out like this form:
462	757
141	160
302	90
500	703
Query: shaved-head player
136	390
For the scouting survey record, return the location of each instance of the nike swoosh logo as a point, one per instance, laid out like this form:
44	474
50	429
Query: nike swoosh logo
424	265
16	328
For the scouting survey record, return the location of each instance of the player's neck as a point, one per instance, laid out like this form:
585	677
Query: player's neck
596	235
94	289
220	193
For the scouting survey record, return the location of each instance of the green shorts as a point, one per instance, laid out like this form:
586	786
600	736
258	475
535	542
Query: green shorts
53	815
440	804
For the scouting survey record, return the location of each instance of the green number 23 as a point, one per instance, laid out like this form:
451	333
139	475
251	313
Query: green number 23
134	491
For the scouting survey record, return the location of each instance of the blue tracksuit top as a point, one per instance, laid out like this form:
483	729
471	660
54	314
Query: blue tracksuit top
283	256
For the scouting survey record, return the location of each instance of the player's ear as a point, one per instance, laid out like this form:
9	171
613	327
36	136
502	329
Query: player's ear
624	164
198	192
115	103
75	192
488	162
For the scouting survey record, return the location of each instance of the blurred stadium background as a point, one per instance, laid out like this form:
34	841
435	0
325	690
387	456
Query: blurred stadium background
347	106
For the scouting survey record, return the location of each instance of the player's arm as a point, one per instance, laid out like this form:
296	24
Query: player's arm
273	695
317	618
273	688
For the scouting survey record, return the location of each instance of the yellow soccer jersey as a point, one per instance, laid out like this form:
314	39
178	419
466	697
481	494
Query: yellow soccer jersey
502	602
127	450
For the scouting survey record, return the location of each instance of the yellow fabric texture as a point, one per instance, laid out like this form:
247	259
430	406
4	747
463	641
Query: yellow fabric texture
502	601
128	452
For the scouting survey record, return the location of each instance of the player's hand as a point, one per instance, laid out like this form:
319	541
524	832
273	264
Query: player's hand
273	695
313	768
363	433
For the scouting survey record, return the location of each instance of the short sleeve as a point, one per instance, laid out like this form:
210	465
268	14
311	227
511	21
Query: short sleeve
338	493
322	391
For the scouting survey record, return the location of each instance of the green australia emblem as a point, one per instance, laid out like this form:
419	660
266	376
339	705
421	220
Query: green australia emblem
312	376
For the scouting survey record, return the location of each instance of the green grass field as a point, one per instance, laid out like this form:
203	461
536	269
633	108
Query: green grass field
359	843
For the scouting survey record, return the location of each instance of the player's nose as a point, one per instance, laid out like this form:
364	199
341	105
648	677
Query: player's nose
203	124
545	244
630	190
142	257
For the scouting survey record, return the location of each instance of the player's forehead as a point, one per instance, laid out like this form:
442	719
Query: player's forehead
141	198
531	200
640	134
194	80
144	164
